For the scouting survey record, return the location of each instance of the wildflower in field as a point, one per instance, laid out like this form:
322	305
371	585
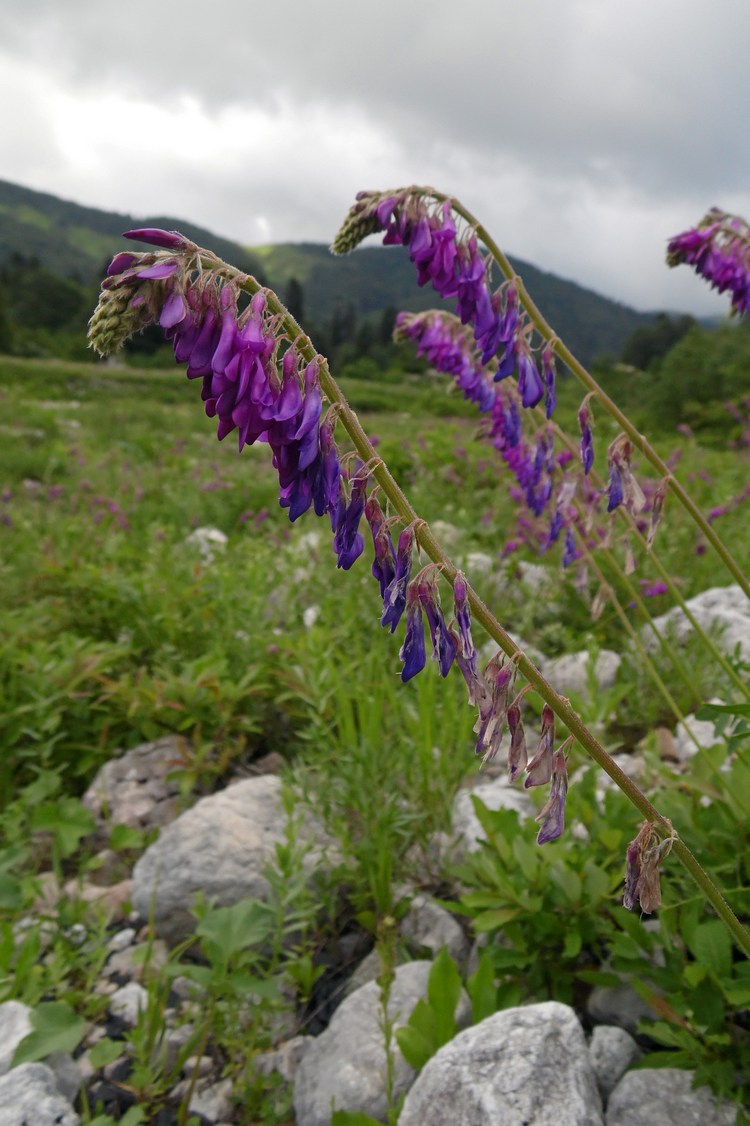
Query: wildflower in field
499	677
587	437
718	248
447	345
394	598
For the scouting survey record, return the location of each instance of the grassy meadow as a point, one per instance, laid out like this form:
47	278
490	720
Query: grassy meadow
116	629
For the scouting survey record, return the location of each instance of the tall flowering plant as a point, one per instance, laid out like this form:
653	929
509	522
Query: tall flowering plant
262	379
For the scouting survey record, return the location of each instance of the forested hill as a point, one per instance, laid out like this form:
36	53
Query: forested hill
53	237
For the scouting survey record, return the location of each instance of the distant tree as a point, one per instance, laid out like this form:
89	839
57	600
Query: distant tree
648	343
295	299
704	370
6	331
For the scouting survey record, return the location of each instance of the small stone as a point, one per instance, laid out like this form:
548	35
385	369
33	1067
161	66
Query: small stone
121	939
128	1001
612	1052
427	926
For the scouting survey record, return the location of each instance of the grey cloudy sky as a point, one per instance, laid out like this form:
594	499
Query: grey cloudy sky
583	133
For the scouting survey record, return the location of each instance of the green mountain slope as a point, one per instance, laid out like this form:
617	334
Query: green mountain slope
76	242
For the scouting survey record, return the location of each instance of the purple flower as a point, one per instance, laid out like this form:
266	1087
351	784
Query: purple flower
539	770
412	652
384	563
499	677
548	371
587	438
517	753
552	813
614	490
347	541
530	386
443	643
171	240
394	598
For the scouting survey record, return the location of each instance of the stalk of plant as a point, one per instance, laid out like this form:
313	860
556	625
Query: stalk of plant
262	377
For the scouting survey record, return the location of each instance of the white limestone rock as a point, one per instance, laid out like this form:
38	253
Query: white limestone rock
519	1066
220	848
612	1052
723	610
29	1094
665	1096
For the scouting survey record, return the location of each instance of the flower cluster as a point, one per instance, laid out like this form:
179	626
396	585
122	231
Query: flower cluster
718	248
253	379
450	259
447	346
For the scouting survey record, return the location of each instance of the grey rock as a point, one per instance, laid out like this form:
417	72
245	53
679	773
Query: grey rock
702	729
285	1058
612	1052
128	1001
345	1065
367	970
619	1005
427	926
496	793
67	1074
518	1067
29	1094
15	1026
213	1102
219	848
121	939
665	1096
136	789
569	674
722	610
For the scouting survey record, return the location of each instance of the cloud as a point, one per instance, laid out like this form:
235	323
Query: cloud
583	133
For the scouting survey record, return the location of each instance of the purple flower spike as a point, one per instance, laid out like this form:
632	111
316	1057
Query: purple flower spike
412	652
163	269
539	770
552	813
171	240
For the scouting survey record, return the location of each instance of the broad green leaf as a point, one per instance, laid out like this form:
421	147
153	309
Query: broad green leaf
228	930
105	1051
482	990
56	1028
415	1048
712	947
491	920
573	943
11	892
443	992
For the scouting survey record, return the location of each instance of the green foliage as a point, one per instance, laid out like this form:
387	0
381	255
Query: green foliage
432	1023
55	1028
